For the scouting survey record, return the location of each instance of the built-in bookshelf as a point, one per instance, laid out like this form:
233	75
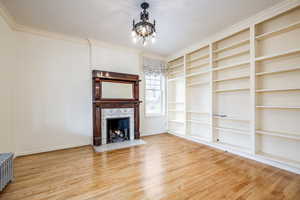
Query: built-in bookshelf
176	99
277	63
241	92
198	70
231	86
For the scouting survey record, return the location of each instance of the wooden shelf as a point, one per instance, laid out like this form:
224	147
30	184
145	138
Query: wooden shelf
198	122
198	66
176	79
278	71
198	73
232	119
277	90
232	90
279	134
198	58
232	46
176	121
231	66
196	112
292	163
233	130
277	55
175	66
232	55
279	31
178	59
175	72
279	107
198	83
232	78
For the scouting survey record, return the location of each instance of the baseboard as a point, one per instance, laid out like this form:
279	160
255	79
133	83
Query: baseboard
48	149
68	146
257	158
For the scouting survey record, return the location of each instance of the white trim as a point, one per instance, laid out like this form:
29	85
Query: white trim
7	17
255	157
52	148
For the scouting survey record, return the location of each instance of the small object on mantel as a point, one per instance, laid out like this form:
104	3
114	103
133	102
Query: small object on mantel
6	169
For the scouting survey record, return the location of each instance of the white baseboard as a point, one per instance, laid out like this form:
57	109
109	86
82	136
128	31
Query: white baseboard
60	147
257	158
52	148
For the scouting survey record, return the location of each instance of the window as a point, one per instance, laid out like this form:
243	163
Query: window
154	94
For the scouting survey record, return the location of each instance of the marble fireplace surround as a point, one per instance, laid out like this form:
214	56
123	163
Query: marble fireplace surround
112	113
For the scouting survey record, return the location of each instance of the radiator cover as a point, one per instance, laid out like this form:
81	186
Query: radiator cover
6	169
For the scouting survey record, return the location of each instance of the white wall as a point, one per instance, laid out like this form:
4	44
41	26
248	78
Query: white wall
52	108
128	61
48	105
7	64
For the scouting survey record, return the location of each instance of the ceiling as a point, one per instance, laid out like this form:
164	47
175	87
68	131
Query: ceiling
180	23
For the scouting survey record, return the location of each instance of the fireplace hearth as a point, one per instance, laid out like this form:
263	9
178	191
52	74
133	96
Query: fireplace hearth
118	130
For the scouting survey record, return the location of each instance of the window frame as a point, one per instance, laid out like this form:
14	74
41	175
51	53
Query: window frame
163	97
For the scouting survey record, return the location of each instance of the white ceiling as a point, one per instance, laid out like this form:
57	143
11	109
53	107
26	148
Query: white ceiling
179	22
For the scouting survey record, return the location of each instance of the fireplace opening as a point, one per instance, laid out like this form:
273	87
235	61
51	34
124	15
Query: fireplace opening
118	130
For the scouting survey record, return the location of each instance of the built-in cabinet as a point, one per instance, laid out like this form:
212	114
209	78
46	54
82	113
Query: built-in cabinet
242	92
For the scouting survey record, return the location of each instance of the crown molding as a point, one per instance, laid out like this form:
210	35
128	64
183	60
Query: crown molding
11	22
53	35
260	17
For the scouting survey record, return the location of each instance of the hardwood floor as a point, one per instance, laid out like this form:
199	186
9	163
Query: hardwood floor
166	167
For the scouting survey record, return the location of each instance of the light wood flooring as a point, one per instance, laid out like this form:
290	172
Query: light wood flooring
167	167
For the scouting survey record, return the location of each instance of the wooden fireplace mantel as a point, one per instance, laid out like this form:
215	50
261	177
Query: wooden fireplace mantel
100	103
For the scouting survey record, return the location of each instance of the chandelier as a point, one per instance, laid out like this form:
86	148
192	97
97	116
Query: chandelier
143	31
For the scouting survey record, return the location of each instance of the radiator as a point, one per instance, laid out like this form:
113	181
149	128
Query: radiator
6	169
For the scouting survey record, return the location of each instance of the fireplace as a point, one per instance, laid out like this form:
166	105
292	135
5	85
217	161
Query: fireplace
118	130
116	117
113	119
